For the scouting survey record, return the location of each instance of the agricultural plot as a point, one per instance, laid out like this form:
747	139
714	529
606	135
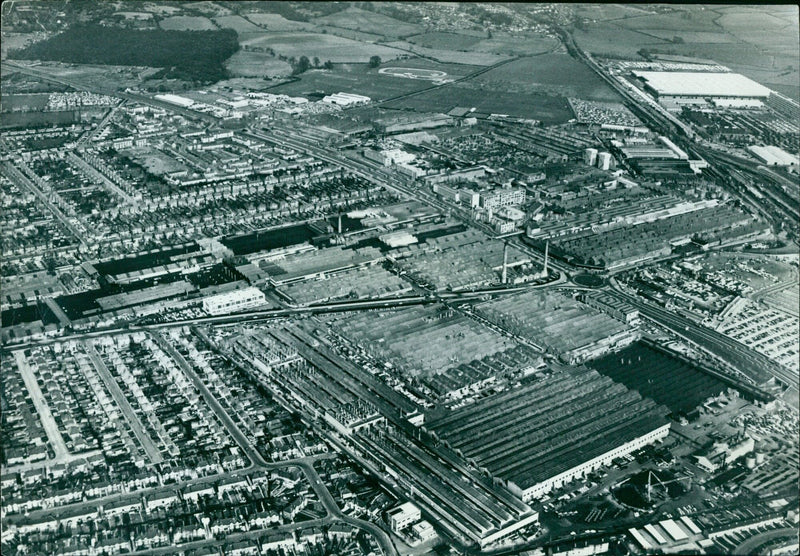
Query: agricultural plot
552	73
515	45
325	47
609	39
549	110
450	56
445	41
369	22
186	23
256	64
34	102
604	12
275	22
237	23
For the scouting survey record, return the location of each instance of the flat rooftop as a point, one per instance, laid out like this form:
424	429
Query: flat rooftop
707	84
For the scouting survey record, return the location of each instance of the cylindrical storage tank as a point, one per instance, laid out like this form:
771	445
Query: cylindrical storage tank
759	457
750	461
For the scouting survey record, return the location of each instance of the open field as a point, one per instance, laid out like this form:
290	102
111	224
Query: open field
553	73
692	36
450	56
186	23
760	43
275	22
256	64
445	41
369	22
603	12
237	23
325	47
515	45
24	102
488	100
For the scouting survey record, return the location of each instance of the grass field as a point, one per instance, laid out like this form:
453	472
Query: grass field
24	102
275	22
692	36
445	41
514	45
759	42
186	23
603	12
553	73
256	64
369	22
237	23
325	47
549	109
450	56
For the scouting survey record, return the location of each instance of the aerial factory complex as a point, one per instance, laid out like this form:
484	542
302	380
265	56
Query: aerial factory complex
305	278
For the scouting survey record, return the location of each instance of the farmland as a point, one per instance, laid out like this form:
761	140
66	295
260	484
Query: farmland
256	64
186	23
325	47
237	23
553	73
450	56
11	103
275	22
369	22
489	100
445	41
759	42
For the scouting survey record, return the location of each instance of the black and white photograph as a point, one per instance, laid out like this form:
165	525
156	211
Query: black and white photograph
311	278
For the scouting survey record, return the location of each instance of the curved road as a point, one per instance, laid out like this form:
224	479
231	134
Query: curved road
252	454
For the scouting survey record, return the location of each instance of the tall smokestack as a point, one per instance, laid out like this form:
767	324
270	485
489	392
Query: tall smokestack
546	252
505	263
340	223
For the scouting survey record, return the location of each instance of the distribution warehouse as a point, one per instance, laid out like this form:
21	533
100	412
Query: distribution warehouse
701	84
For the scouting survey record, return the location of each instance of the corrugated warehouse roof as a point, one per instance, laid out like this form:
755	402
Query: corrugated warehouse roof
708	84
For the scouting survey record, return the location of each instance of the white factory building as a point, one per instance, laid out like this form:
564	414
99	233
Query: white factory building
773	156
703	84
233	301
345	99
403	515
540	489
175	99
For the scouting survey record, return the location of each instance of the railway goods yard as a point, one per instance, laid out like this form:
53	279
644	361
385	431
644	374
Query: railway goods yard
398	278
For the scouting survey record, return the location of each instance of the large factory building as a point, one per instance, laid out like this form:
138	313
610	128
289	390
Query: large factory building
540	437
233	301
700	84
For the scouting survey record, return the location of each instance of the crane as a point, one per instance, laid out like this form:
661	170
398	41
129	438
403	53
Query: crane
651	475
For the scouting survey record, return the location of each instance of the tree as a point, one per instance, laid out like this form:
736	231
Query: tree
328	65
316	62
302	65
374	61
